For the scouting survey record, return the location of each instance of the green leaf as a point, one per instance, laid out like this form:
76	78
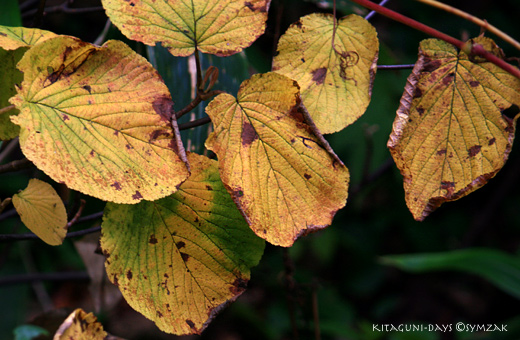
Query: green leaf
335	77
501	269
220	27
180	259
29	332
281	175
99	120
42	211
450	137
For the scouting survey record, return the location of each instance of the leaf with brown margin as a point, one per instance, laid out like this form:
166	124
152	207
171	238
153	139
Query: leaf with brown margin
450	136
42	211
336	84
181	259
14	42
220	27
276	168
98	119
80	325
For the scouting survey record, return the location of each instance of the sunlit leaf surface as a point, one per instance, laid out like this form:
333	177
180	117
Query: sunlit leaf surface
451	135
42	211
14	42
98	120
181	259
278	172
221	27
336	80
80	326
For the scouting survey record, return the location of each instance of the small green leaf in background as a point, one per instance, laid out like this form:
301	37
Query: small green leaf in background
501	269
10	13
181	259
29	332
42	211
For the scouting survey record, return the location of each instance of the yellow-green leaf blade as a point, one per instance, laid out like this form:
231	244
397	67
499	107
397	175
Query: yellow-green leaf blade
12	38
336	83
220	27
276	169
80	325
42	211
450	136
98	120
180	259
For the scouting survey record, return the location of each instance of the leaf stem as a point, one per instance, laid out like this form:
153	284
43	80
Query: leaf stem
475	48
482	23
6	109
395	67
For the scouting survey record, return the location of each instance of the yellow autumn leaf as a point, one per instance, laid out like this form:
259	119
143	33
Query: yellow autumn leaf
220	27
12	38
80	325
181	259
42	211
336	80
14	42
99	120
449	136
273	164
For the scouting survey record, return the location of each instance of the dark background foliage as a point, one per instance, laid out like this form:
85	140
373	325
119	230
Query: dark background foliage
333	280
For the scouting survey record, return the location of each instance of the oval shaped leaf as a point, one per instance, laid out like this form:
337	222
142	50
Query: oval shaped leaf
336	80
80	325
277	170
450	136
180	259
220	27
98	120
42	211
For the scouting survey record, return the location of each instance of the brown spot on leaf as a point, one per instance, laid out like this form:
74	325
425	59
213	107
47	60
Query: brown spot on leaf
238	193
158	133
88	88
190	323
448	79
420	111
128	146
159	314
238	286
249	134
65	117
152	239
474	150
441	152
163	107
116	132
492	141
180	245
3	34
318	75
116	185
115	280
307	176
137	196
448	186
474	83
185	257
431	65
209	187
129	274
417	92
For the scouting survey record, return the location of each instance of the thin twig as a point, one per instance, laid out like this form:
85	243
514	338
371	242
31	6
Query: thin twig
372	13
39	14
64	8
6	109
290	287
16	165
475	49
13	144
78	214
395	67
194	123
482	23
31	236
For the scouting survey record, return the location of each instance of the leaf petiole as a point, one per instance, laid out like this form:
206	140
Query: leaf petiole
6	109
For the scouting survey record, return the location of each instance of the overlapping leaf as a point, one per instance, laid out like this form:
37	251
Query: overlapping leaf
335	76
80	325
14	42
98	120
276	168
220	27
42	211
450	135
180	259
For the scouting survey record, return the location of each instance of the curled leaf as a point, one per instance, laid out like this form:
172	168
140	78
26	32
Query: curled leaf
80	325
276	168
42	211
99	120
451	135
220	27
335	76
181	259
